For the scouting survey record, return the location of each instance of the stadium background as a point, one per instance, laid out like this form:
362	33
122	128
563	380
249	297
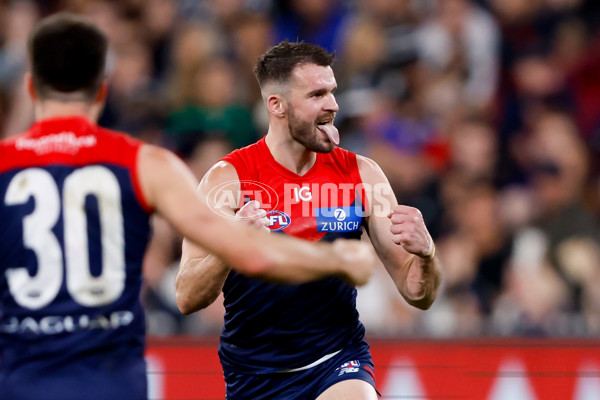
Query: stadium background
485	114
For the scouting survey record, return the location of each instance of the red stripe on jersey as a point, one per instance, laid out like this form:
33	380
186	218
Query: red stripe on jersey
72	141
137	186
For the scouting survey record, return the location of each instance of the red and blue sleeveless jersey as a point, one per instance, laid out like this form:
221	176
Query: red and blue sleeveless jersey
272	327
73	232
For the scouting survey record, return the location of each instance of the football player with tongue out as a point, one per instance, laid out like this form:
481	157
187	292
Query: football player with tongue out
303	341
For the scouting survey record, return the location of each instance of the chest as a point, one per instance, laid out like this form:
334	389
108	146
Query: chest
328	203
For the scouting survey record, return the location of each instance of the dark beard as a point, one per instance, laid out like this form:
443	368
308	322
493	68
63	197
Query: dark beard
305	133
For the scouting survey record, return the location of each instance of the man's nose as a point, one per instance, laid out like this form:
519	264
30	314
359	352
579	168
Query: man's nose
331	104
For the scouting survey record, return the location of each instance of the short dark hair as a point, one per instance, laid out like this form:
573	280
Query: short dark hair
67	54
277	64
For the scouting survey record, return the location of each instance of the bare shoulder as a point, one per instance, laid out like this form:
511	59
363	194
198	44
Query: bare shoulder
157	165
159	171
222	174
220	187
378	190
370	171
365	162
153	157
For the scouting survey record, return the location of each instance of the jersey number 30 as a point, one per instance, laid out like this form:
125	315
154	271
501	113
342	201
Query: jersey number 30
37	291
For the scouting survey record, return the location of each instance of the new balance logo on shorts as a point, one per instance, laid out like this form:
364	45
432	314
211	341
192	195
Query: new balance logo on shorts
348	367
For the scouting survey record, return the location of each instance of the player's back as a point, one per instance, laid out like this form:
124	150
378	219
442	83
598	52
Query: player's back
73	232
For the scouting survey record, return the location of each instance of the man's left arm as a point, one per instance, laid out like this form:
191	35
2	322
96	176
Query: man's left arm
400	238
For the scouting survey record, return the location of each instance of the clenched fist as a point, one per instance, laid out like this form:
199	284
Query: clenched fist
409	231
254	215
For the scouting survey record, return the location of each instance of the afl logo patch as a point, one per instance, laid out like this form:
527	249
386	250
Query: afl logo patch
278	220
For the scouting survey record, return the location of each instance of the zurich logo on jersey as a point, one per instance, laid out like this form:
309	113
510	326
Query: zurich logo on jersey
278	220
338	219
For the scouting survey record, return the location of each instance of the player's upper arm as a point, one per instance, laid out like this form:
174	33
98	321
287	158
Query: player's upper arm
169	187
382	201
158	171
220	189
380	196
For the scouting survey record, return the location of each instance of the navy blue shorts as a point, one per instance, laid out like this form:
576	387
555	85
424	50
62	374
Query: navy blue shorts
353	363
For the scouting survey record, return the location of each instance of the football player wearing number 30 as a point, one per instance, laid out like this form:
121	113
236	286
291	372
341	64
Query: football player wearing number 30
75	201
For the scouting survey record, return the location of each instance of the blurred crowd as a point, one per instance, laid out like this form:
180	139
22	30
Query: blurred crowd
484	114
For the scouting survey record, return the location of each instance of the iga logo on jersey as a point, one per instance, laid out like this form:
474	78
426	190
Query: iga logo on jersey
278	220
348	367
338	219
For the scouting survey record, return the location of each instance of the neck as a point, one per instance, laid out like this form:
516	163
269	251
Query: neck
289	153
45	109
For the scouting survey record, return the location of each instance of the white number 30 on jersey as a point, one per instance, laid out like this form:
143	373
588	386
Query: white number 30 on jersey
37	291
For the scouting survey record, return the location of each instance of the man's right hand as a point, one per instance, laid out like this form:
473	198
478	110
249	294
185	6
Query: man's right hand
358	260
254	215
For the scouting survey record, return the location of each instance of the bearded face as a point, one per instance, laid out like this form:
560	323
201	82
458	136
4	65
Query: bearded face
308	134
311	107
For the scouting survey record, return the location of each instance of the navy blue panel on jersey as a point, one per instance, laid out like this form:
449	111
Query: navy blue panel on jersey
262	335
271	327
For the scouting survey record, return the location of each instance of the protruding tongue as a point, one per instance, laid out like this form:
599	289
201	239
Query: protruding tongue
331	132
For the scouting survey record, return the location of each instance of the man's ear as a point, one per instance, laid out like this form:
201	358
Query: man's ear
277	105
30	86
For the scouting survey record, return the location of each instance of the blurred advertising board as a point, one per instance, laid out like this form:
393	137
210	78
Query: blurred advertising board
478	369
